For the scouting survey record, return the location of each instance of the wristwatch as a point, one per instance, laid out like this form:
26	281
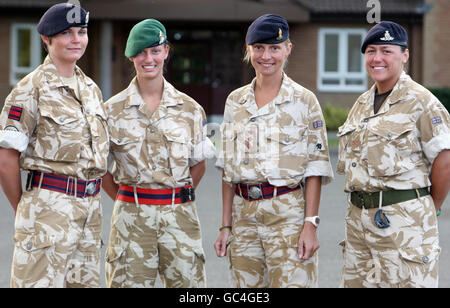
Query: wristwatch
315	220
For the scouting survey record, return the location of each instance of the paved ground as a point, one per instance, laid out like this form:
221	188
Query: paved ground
331	232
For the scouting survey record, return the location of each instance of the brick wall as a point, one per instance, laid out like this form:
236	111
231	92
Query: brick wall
436	41
5	88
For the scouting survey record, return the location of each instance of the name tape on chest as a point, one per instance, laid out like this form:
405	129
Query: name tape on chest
15	113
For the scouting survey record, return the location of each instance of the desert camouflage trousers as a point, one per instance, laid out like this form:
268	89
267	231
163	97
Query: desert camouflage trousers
149	239
403	255
263	246
57	241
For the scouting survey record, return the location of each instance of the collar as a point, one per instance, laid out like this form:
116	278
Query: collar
286	93
170	96
53	79
399	92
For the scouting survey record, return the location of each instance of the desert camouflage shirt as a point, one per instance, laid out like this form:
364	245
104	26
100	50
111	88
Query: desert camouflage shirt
283	143
395	148
54	131
156	149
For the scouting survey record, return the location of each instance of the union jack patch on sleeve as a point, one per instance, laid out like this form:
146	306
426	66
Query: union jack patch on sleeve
15	113
436	120
317	124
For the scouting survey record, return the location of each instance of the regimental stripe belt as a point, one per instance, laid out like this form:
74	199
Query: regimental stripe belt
261	191
156	196
371	200
63	184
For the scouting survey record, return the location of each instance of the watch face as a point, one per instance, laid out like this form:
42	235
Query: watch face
317	220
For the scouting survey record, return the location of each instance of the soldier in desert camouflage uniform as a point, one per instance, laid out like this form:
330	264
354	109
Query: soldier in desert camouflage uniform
53	125
273	142
159	147
393	147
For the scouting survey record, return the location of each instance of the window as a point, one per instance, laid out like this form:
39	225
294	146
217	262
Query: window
26	51
341	63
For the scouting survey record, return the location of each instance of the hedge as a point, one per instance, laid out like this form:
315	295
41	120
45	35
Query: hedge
334	116
443	94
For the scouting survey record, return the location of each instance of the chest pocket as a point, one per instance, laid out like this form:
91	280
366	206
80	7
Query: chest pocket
58	134
287	152
125	145
392	151
345	135
179	150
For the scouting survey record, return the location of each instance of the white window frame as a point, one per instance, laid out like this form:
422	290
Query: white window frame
35	54
342	73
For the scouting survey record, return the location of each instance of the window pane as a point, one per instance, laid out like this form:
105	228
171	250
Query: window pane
331	82
354	53
331	52
357	82
24	47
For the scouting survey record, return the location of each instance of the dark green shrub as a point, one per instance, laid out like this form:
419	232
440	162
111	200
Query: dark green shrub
334	116
443	94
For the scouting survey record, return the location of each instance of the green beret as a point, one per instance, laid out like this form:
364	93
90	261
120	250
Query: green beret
147	33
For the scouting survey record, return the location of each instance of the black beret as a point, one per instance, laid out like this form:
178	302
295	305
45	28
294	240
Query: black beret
386	32
61	17
268	29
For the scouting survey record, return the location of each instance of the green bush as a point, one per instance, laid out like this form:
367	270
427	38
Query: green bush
443	94
334	116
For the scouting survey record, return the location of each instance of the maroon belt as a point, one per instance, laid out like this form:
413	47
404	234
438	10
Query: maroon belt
261	191
63	184
156	196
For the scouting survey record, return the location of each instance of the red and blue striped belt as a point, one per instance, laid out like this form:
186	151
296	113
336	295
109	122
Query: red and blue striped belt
261	191
156	196
63	184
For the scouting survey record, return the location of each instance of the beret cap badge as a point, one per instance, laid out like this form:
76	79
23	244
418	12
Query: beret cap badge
161	37
387	36
280	34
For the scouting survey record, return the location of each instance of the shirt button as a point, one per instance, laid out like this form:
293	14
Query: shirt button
152	130
390	135
352	188
353	164
425	259
119	140
253	119
366	120
154	167
287	139
29	246
246	162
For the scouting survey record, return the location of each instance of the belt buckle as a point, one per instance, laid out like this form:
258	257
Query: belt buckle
89	189
187	194
360	196
254	192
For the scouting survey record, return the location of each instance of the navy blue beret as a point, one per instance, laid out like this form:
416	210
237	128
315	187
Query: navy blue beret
268	29
386	32
61	17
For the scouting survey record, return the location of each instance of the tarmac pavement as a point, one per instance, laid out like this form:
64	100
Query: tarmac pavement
331	232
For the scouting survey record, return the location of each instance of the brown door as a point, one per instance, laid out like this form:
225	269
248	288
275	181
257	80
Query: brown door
206	65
